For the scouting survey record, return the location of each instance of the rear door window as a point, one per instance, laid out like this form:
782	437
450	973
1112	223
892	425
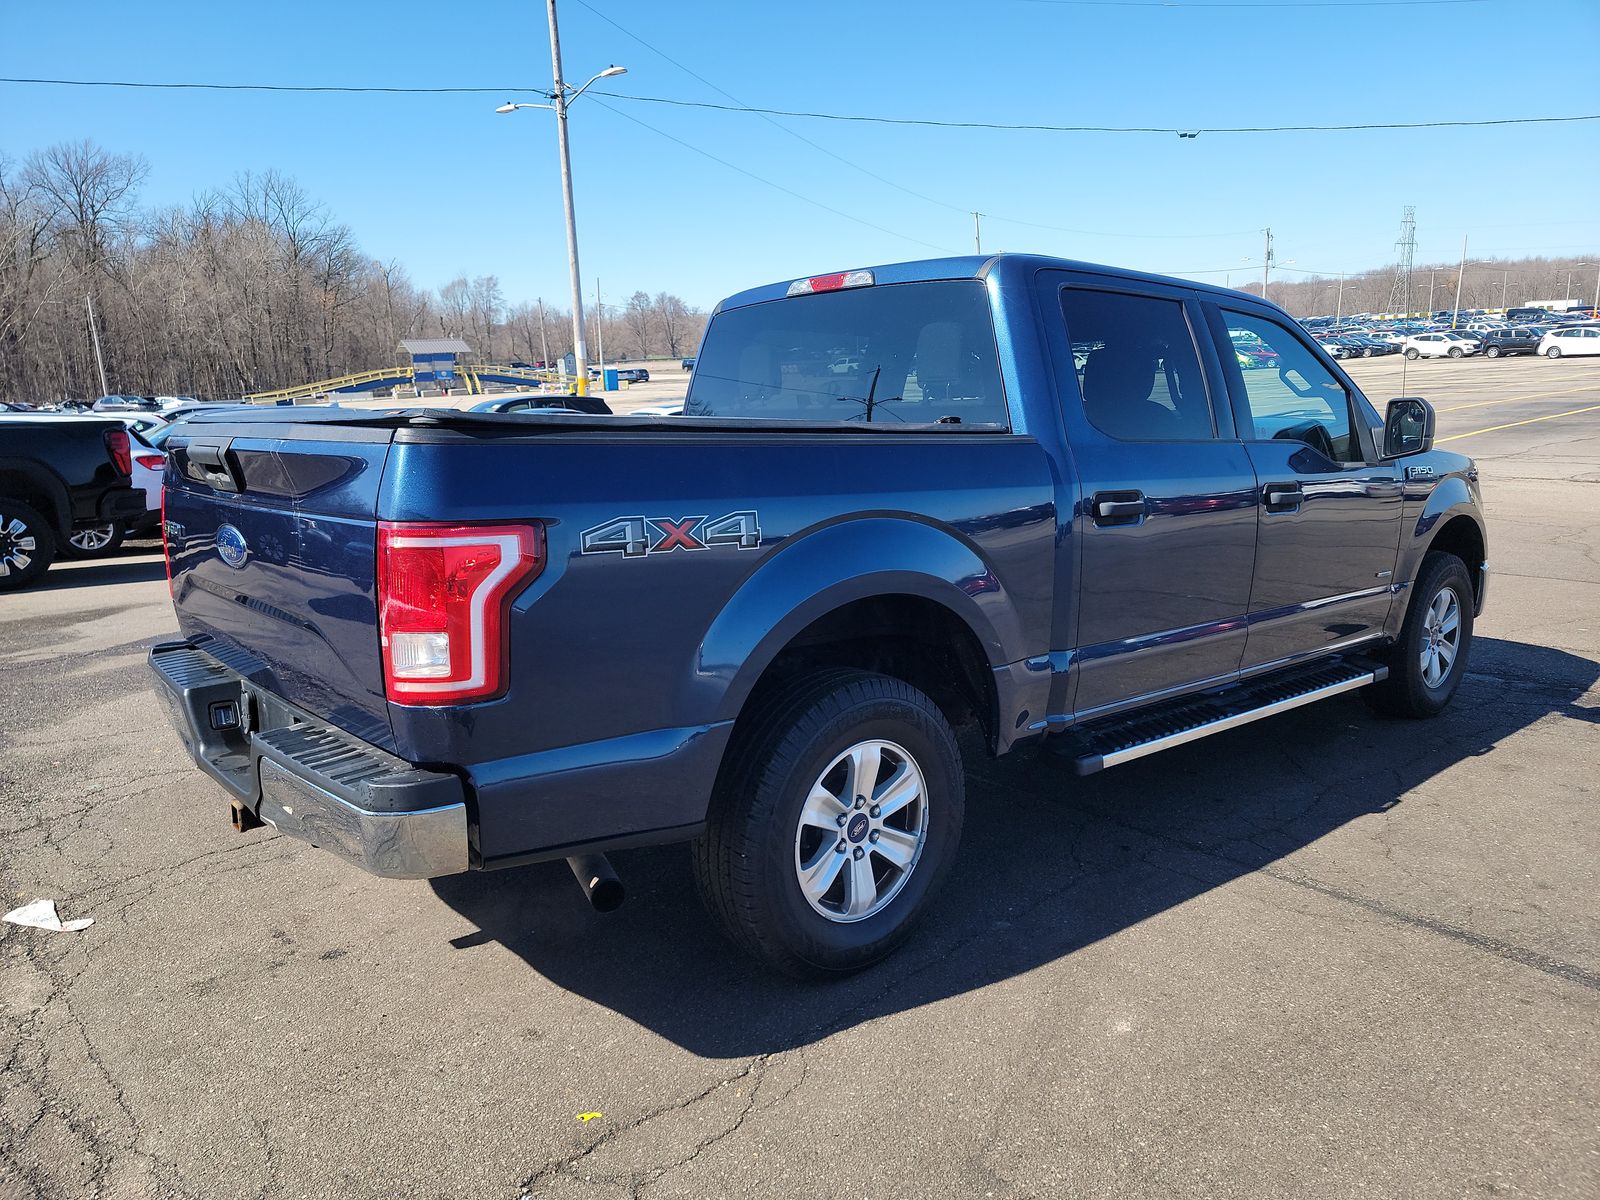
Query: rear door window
1138	371
898	354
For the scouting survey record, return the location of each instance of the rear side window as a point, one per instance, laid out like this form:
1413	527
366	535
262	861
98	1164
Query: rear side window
1138	372
902	354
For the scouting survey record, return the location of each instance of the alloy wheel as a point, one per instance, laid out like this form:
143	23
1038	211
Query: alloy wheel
861	831
17	545
1441	637
92	538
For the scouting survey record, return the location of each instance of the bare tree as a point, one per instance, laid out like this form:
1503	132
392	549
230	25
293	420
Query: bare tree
638	319
677	321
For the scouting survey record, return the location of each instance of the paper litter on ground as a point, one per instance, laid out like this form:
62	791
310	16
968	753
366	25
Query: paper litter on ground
41	914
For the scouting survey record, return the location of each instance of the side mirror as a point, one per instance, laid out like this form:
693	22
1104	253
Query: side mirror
1407	427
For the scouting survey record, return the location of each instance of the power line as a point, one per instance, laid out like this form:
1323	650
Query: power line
656	50
1190	131
742	106
280	87
760	179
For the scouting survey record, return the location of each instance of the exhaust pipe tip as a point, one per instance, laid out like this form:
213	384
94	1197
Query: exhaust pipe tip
599	882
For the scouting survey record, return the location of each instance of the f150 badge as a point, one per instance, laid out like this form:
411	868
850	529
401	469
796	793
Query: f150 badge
635	537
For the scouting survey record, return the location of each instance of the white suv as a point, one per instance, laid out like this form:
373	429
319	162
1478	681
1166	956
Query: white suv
1559	343
1437	345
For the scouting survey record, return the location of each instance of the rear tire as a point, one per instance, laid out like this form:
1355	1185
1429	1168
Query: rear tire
1431	655
1553	352
1492	352
1413	353
94	541
770	866
27	545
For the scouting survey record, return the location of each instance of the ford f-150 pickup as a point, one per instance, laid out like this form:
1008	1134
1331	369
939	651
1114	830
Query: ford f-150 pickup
1027	495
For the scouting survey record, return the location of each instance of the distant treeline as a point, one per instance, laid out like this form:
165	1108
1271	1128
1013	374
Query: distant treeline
1489	284
250	287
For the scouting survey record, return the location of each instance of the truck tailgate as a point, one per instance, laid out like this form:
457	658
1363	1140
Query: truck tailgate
273	544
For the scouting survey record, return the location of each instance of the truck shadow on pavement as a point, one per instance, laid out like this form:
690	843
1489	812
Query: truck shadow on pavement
1049	863
132	567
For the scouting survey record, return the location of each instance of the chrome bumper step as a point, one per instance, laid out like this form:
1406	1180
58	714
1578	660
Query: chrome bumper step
1114	740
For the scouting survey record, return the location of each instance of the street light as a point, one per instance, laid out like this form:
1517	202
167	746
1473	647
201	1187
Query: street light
1505	278
561	96
1339	315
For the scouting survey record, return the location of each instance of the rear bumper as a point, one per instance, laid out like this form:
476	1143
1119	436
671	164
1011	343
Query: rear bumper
119	504
308	779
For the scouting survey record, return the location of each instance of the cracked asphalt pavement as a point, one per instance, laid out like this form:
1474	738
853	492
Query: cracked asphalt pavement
1320	956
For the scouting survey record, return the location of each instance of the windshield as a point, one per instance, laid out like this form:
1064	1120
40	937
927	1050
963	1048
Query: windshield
910	353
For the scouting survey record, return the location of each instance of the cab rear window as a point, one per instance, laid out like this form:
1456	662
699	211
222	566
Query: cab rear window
901	354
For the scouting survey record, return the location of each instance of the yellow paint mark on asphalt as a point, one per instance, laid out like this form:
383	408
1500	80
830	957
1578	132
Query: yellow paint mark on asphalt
1513	399
1571	412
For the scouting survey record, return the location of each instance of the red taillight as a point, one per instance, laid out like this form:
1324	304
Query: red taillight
153	462
120	449
443	595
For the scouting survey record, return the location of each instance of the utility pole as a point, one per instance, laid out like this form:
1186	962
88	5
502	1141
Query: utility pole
1339	314
1505	282
94	333
1570	272
1431	275
1455	316
1266	264
544	342
580	353
600	332
977	232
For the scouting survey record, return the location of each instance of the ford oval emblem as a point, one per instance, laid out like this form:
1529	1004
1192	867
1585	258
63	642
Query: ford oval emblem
232	546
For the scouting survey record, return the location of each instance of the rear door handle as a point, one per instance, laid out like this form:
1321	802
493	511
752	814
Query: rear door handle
1282	497
1118	508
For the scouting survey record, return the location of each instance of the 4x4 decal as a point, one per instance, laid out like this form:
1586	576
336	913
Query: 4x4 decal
635	537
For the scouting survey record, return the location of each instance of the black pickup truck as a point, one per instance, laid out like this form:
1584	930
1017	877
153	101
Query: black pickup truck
1040	498
59	473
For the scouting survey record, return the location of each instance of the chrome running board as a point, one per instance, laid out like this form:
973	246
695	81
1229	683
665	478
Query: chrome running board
1116	740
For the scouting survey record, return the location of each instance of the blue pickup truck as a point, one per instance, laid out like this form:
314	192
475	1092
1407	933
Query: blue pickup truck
1033	497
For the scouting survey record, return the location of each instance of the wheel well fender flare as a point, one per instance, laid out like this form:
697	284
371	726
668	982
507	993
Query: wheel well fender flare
37	482
817	572
1450	498
1450	509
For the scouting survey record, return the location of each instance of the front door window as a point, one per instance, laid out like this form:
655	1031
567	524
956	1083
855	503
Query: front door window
1291	395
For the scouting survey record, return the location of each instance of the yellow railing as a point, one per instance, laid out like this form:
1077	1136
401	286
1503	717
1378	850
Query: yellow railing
353	379
406	376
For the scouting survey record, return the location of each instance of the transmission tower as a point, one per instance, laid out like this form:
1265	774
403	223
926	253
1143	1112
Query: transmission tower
1406	252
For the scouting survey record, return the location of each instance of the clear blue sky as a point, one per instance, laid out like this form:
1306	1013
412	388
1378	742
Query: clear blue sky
448	187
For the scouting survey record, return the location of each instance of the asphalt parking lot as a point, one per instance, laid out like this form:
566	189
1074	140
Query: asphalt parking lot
1321	956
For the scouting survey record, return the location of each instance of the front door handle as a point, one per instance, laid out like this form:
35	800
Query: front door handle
1118	508
1282	497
